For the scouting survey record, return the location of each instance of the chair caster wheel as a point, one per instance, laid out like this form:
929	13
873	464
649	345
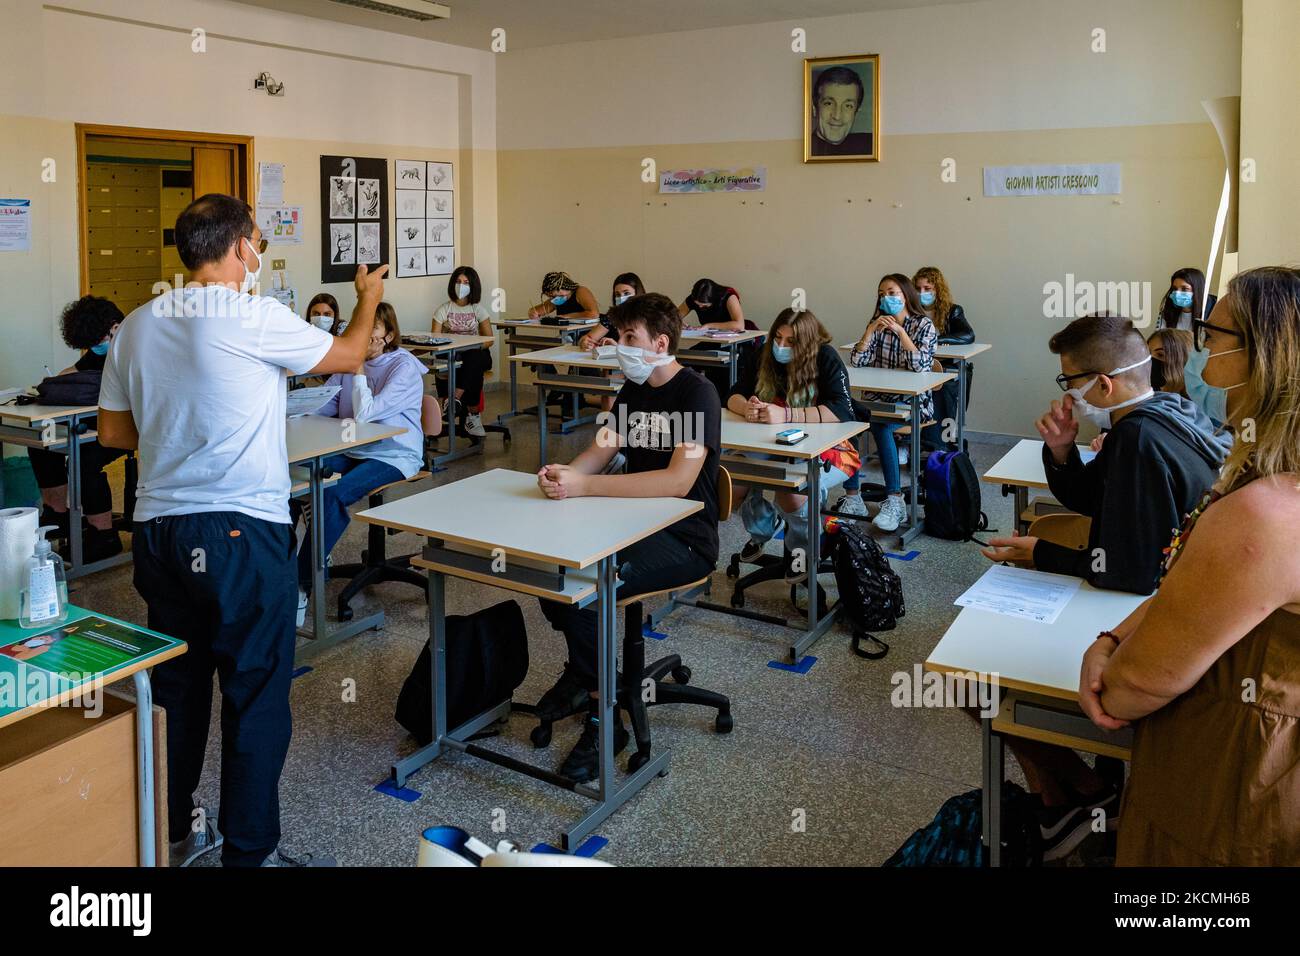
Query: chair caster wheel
662	773
723	724
541	736
737	600
682	675
345	613
637	761
733	569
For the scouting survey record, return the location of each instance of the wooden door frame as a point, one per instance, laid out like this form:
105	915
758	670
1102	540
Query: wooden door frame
174	137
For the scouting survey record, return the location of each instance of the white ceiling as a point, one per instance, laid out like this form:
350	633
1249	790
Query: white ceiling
534	23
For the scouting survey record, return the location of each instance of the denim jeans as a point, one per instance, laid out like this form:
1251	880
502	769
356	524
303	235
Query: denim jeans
360	476
760	514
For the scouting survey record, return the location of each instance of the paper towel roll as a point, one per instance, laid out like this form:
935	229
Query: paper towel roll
17	543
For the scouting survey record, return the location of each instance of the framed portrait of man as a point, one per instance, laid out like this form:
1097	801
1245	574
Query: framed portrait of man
841	119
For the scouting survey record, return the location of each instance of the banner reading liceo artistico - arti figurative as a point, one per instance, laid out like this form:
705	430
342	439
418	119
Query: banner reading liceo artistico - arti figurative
749	179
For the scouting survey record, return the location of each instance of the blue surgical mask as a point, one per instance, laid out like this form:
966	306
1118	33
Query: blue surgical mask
891	304
620	299
927	299
782	353
1212	399
559	299
1181	298
101	348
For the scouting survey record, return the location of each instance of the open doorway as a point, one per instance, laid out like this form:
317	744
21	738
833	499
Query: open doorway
133	185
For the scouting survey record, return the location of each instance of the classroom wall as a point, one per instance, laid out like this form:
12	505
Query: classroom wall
349	91
995	83
1270	133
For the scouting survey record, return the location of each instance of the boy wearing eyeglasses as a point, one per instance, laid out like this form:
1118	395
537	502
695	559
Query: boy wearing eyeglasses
1161	455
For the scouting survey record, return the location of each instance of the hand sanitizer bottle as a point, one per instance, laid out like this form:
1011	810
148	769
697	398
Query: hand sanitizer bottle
44	598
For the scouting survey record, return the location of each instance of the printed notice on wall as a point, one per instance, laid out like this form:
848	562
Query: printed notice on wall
749	179
1073	179
281	225
15	225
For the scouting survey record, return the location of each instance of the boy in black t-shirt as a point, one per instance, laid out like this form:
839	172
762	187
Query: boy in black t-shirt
667	421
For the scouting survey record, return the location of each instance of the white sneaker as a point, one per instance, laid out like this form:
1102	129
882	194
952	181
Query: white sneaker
892	513
196	844
302	607
852	505
474	425
903	456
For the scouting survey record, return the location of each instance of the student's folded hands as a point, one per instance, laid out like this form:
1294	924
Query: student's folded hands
560	481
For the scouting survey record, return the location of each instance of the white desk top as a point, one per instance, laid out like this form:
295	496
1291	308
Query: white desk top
537	323
310	436
697	335
1027	655
565	355
457	342
950	351
740	435
893	381
1023	465
40	413
505	509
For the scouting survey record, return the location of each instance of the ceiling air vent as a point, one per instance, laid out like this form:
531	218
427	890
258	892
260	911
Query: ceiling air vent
411	9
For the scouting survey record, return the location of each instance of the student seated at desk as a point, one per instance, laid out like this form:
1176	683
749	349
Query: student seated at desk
1208	670
563	297
387	389
899	336
87	324
949	320
1184	300
323	312
626	285
797	378
1160	456
717	306
667	421
464	314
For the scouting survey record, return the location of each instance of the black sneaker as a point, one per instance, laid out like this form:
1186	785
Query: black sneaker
583	762
1063	828
96	545
568	696
751	551
280	858
60	519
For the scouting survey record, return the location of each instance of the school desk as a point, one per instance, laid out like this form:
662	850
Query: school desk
1021	469
530	335
448	349
498	529
57	735
1033	669
545	381
724	350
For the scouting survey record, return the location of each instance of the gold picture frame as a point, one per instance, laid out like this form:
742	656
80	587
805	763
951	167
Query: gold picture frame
859	138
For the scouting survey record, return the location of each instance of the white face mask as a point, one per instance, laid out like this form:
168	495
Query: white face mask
1097	415
462	290
250	278
622	297
323	322
638	364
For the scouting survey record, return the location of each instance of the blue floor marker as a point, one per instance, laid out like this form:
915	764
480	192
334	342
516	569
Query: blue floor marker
902	557
803	667
401	793
648	631
300	671
590	847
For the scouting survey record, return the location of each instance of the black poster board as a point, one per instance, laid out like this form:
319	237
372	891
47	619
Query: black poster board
353	215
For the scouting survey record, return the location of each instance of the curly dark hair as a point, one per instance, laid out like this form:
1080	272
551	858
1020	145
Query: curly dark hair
85	322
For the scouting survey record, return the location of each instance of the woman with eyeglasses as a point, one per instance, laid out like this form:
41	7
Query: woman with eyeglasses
1208	670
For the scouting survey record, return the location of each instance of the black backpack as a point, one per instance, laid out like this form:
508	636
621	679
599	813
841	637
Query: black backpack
872	594
952	497
953	837
74	388
487	658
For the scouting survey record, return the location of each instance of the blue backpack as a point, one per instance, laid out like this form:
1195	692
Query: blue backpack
953	837
952	497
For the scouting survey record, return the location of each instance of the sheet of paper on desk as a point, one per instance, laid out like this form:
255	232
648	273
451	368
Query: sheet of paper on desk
1087	455
304	401
1019	592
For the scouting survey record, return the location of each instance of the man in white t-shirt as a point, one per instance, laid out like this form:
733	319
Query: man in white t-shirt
195	381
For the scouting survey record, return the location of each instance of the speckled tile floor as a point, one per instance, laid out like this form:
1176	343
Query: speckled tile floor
826	747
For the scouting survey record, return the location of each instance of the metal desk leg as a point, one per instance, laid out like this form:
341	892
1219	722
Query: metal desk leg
514	380
76	537
991	805
408	765
914	470
317	478
734	353
962	370
144	773
1021	505
542	426
451	401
